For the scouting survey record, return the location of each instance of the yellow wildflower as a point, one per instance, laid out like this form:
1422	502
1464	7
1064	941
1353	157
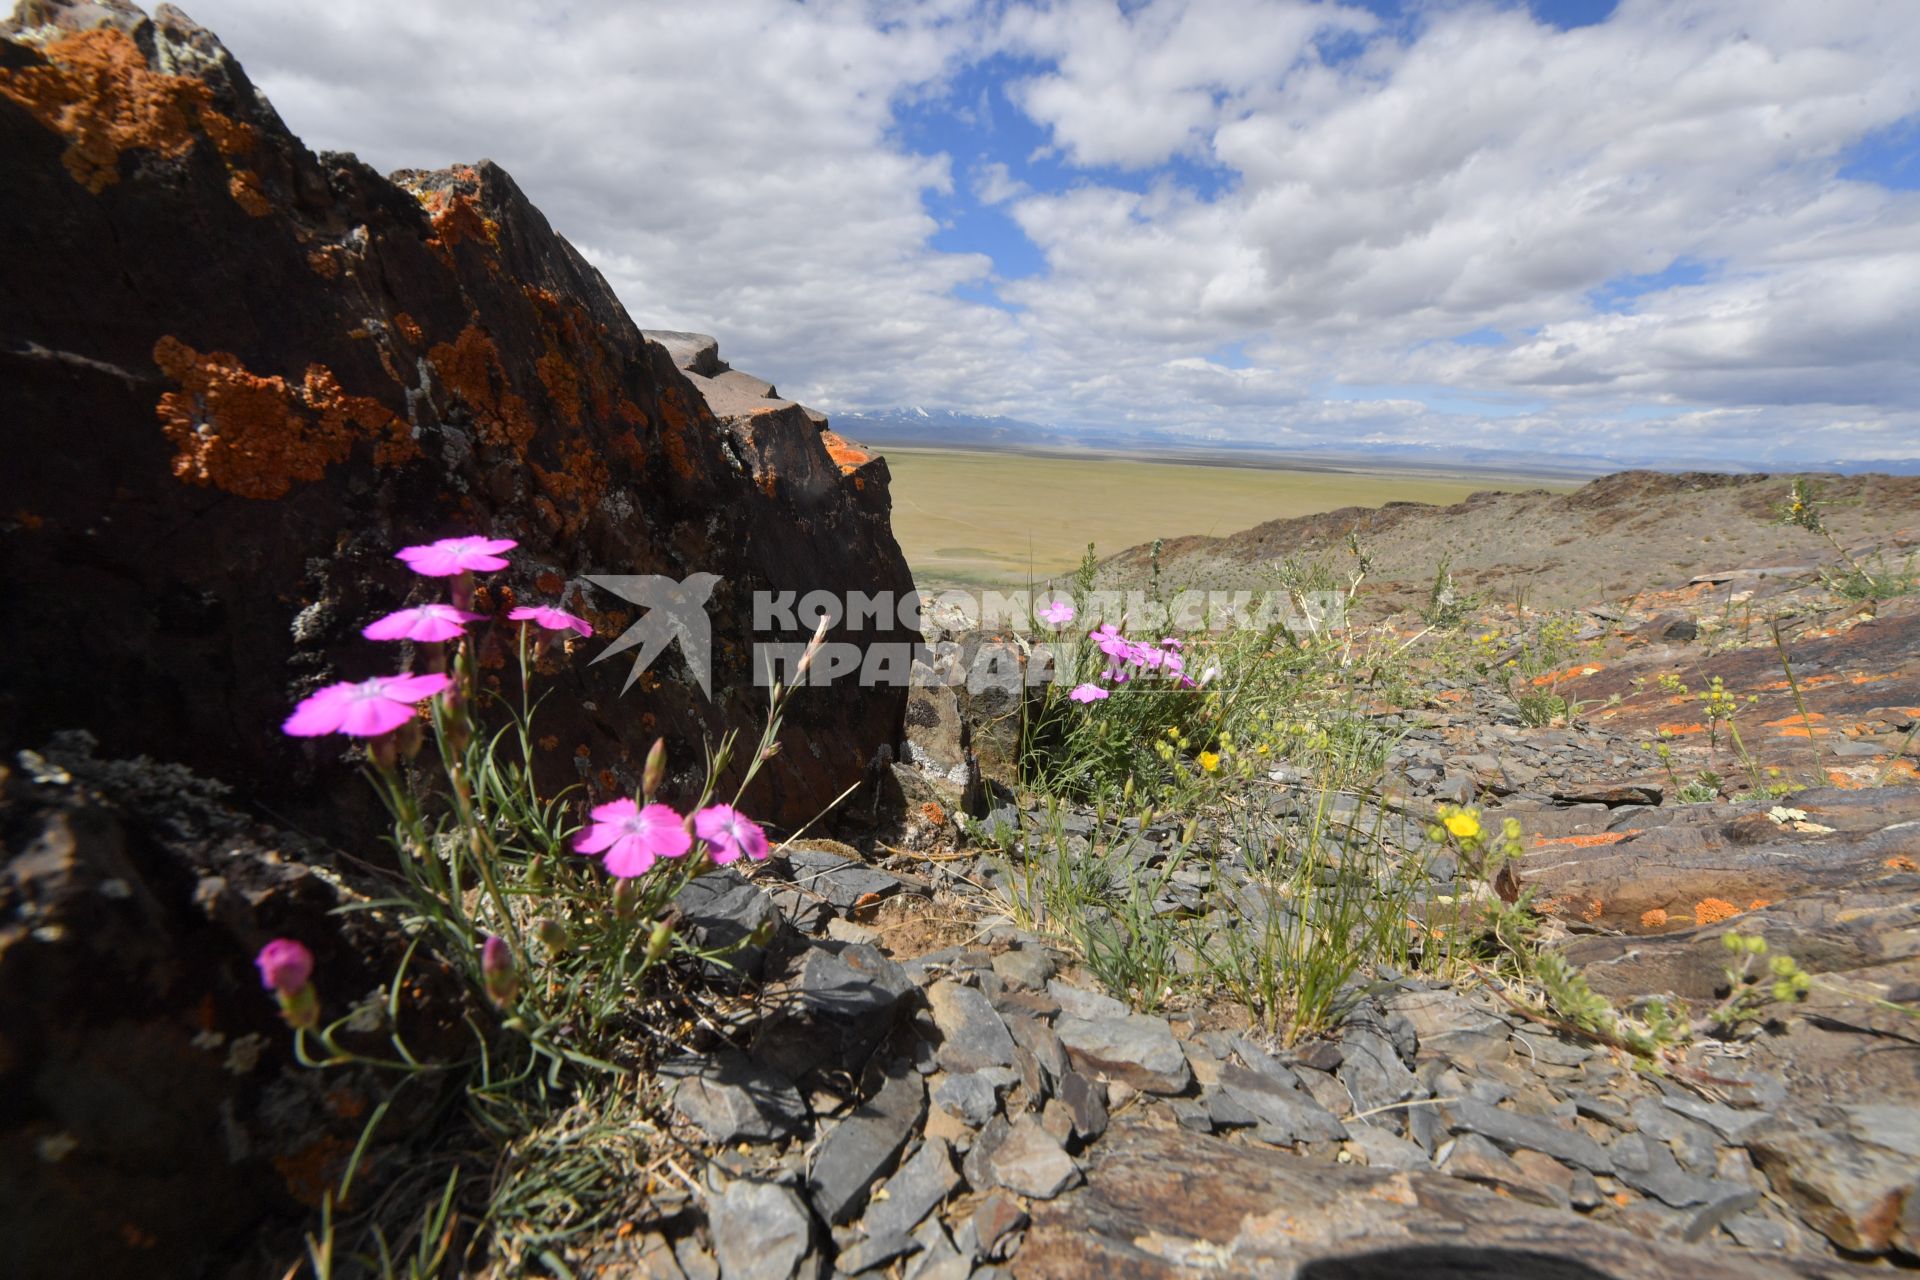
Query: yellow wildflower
1464	826
1210	761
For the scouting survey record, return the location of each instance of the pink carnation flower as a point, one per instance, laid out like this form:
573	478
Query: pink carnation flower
285	966
633	838
1058	614
730	834
1112	643
1088	693
550	618
364	710
428	623
449	556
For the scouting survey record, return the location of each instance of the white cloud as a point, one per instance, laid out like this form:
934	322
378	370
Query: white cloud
741	168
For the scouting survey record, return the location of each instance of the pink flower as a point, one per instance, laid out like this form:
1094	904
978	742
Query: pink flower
1088	693
550	618
428	623
449	556
364	710
634	838
285	966
1112	643
1146	655
1058	614
1173	643
730	833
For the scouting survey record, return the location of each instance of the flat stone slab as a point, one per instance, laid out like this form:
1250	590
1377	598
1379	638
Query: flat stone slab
861	1148
1162	1202
1137	1049
761	1231
914	1192
1031	1162
972	1034
731	1098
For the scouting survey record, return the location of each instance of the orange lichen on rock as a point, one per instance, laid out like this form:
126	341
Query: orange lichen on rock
1759	903
1713	910
1593	910
1571	673
576	487
1594	841
1655	918
1901	862
324	263
470	367
97	92
244	186
409	328
456	219
255	436
232	138
848	457
562	382
1679	730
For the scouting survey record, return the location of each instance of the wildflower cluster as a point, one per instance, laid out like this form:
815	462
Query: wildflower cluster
480	851
1802	508
1128	660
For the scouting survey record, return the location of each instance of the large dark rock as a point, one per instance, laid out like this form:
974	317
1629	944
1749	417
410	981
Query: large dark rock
151	1114
236	376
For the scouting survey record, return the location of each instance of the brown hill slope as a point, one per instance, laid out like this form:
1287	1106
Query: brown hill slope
1620	535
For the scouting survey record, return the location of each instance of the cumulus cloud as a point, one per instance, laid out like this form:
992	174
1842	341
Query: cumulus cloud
1458	229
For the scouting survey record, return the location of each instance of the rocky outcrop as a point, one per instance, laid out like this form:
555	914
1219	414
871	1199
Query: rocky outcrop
237	376
154	1114
729	393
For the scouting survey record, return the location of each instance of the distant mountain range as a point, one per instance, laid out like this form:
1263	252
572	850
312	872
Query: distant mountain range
931	428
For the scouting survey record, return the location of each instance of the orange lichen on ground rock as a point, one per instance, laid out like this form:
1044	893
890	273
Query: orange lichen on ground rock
1713	910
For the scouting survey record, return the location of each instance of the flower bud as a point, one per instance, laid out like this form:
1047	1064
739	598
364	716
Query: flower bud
384	750
553	936
626	898
660	942
656	771
498	971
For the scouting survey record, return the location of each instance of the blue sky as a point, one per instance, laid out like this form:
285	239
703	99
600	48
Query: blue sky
1666	230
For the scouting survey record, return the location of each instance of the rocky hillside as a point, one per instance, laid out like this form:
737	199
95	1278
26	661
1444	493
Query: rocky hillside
237	375
1609	540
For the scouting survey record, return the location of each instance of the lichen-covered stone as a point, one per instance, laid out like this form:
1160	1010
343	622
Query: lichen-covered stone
237	376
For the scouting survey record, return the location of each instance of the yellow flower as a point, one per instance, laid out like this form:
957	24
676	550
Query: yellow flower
1210	761
1464	826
